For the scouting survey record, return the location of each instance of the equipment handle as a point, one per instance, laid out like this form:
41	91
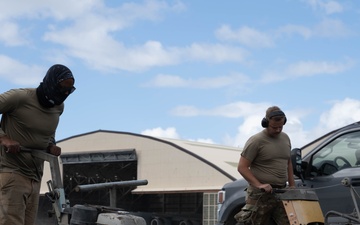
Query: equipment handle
53	162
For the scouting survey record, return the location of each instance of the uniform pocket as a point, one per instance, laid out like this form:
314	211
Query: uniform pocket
245	214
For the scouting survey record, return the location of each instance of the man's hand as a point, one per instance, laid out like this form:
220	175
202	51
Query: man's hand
266	188
10	145
54	150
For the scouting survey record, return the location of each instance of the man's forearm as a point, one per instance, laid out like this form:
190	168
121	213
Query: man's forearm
249	177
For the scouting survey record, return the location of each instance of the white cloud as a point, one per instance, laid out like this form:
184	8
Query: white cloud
309	68
306	69
204	140
185	110
332	7
100	50
72	10
86	31
340	114
245	35
328	7
291	29
254	38
163	80
252	124
11	35
331	28
89	31
95	42
252	114
213	53
232	110
19	73
169	132
325	28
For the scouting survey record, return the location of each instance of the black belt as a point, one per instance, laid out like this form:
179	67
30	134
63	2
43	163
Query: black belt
278	186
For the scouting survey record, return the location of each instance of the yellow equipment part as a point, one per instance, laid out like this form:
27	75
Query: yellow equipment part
301	212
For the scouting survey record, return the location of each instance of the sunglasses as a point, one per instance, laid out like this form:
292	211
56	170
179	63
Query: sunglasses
67	90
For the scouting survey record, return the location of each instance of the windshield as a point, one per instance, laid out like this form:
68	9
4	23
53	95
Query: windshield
339	154
306	149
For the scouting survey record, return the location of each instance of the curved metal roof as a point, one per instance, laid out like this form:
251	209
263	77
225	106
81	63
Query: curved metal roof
170	165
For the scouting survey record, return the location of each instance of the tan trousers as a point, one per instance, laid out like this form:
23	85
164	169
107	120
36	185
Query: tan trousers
19	199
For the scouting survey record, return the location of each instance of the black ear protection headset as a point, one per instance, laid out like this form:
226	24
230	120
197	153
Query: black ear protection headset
265	121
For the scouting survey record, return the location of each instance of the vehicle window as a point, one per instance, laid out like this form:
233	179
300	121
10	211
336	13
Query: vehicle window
337	155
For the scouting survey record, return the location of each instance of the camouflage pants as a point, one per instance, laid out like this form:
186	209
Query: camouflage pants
260	207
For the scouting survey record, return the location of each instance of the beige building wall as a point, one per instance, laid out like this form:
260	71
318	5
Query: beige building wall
169	165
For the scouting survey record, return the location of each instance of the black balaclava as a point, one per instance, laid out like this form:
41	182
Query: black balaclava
48	92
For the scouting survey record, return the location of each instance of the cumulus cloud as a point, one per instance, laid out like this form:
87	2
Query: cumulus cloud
331	28
91	32
19	73
291	29
169	132
309	68
232	110
96	44
328	7
214	53
247	36
95	26
163	80
111	54
254	38
12	35
17	9
306	69
325	28
252	125
341	113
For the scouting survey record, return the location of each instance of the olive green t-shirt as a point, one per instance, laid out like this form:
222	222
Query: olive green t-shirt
269	157
32	125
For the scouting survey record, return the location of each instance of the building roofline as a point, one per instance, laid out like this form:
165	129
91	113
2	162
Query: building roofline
166	141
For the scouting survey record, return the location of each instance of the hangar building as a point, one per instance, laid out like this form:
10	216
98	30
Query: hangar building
183	176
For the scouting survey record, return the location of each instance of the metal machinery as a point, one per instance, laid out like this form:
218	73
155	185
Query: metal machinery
301	206
353	218
84	214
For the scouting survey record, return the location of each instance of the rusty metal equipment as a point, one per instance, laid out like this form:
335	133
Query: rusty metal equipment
301	206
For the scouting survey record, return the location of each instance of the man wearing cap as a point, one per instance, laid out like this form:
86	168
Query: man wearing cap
29	119
265	164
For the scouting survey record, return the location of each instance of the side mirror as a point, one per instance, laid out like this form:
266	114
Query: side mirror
296	161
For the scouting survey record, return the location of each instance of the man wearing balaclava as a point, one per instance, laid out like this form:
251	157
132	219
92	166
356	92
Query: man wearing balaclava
29	119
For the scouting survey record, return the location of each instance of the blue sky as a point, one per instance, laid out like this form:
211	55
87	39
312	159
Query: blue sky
193	70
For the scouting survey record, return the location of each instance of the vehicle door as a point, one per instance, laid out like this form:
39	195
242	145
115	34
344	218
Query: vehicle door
329	165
